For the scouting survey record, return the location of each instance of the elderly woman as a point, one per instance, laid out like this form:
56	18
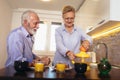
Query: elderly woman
69	38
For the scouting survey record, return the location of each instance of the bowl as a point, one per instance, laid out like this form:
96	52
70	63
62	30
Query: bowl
80	67
21	66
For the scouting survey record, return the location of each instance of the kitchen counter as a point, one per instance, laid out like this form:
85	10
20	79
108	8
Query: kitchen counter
9	73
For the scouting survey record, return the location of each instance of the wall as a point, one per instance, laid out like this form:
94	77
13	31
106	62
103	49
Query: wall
113	43
44	15
88	14
5	22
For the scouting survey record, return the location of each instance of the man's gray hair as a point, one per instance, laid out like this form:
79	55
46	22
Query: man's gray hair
26	16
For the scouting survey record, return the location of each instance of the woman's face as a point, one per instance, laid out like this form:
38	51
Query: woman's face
69	19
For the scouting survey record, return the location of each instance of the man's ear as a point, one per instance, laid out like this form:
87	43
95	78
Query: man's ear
25	22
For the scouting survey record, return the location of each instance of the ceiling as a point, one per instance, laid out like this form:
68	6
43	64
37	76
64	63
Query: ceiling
88	10
53	5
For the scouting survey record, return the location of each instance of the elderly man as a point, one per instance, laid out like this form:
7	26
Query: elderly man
20	41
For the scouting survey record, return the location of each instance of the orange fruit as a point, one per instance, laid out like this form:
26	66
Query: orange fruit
82	49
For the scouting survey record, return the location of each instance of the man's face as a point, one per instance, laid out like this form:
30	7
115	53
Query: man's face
33	24
69	19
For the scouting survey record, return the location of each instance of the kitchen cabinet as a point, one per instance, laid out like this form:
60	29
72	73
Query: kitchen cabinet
108	16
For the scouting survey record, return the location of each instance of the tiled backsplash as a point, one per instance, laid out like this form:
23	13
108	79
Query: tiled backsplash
113	44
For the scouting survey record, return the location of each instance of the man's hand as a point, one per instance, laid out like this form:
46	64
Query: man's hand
46	60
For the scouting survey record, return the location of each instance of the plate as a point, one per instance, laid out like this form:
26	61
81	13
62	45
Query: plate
53	68
34	67
65	68
68	68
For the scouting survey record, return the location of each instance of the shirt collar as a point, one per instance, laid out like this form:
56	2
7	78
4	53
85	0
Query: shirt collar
25	32
74	28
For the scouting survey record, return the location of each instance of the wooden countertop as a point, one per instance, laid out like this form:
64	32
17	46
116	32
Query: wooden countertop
9	73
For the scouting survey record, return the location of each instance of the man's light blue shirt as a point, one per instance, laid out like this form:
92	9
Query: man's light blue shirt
68	41
19	46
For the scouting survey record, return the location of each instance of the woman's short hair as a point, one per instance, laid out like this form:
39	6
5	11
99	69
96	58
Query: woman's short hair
68	8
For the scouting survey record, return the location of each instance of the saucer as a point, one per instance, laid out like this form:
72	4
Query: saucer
65	68
68	68
34	67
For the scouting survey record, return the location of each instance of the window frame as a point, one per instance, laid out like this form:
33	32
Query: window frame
47	46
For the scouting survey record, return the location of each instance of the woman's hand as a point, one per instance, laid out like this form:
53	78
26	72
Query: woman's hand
85	44
70	55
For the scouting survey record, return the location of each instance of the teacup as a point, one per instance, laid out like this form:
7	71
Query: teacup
39	67
60	66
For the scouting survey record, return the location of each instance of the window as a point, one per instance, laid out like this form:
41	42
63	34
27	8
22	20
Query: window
52	39
45	37
40	37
